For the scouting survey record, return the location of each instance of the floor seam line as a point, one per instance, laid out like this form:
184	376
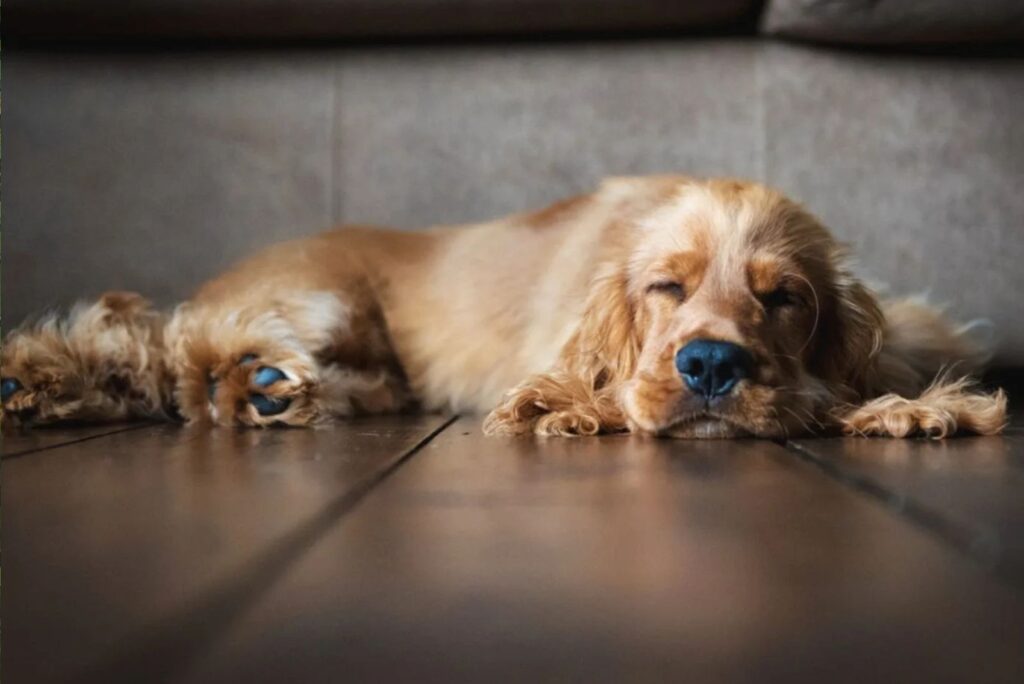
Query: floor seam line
78	440
182	639
971	545
367	486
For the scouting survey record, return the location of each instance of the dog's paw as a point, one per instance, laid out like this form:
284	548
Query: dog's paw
942	410
9	387
257	393
512	419
567	424
100	362
35	403
264	378
903	420
19	405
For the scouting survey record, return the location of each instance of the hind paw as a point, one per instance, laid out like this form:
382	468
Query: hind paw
253	393
19	404
264	377
9	387
49	400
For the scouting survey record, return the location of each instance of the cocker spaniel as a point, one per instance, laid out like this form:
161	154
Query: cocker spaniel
661	305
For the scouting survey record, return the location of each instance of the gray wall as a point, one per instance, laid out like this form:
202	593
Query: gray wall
152	171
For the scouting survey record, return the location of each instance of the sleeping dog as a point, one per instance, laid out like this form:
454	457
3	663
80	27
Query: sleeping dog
662	305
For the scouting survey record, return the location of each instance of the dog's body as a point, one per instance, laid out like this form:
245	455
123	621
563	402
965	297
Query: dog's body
662	305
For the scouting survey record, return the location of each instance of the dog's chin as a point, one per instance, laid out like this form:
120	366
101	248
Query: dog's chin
705	426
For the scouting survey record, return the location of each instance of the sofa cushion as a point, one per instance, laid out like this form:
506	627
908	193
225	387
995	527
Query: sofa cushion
291	19
154	170
896	21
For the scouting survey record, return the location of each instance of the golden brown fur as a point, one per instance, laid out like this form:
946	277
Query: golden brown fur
563	321
101	362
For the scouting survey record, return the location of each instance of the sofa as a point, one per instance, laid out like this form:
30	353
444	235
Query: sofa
149	143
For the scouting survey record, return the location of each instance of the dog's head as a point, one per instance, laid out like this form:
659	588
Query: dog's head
737	314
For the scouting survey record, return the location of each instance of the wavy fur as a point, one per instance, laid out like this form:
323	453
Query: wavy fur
567	320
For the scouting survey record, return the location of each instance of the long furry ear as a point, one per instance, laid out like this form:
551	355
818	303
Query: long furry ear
852	333
900	367
919	382
921	344
605	347
874	346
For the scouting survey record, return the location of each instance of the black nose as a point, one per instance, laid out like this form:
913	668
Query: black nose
713	368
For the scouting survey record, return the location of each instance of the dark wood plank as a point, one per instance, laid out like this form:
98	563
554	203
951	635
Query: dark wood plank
623	559
970	490
1016	421
43	438
126	555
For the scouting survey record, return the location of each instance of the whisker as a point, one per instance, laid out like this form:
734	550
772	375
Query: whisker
811	417
797	392
774	417
804	425
817	310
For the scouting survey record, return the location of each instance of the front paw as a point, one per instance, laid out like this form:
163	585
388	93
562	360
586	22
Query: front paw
893	416
567	424
525	418
941	411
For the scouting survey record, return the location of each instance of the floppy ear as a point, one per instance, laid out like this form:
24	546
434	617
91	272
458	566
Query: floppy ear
893	345
852	333
919	382
903	367
604	349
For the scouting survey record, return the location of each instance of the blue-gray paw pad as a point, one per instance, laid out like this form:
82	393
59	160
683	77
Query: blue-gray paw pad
9	387
266	376
269	406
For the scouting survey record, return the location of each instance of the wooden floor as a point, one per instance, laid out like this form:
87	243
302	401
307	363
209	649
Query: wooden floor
415	549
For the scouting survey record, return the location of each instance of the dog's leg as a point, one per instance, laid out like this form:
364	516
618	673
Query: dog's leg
921	380
301	359
102	362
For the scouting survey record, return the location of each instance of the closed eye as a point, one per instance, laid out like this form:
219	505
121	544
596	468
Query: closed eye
669	287
778	298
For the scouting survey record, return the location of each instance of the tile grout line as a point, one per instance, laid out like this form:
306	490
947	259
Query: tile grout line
976	547
184	635
77	440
